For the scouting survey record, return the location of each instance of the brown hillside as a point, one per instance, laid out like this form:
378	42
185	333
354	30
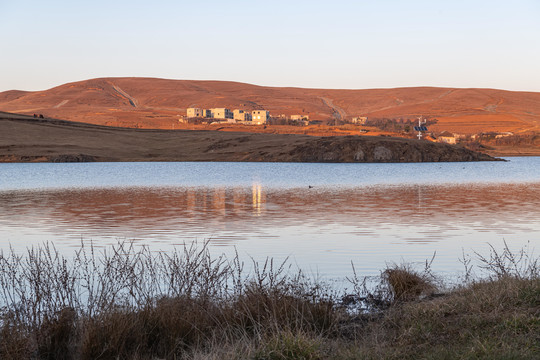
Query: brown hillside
157	103
25	139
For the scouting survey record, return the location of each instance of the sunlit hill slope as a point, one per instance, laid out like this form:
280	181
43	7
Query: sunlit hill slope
158	103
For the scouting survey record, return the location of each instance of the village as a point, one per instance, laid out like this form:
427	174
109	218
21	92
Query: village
238	116
217	116
255	117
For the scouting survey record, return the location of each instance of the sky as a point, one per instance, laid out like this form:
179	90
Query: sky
318	44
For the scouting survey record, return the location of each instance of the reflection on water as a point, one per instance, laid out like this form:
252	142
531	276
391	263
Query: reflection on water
321	228
257	199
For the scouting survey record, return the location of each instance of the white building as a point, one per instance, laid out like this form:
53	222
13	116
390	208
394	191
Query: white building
241	115
299	117
360	120
194	112
446	137
222	113
260	117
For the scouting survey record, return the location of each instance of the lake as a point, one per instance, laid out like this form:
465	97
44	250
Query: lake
320	216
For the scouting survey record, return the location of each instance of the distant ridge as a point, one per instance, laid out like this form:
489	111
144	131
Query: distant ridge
150	102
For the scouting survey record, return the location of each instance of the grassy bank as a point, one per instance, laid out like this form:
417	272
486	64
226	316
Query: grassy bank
128	303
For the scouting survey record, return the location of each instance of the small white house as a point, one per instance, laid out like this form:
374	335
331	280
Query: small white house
241	115
222	113
446	137
299	117
260	117
360	120
194	112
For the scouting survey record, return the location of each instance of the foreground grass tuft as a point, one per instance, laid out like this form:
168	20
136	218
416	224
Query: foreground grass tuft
287	345
130	303
406	284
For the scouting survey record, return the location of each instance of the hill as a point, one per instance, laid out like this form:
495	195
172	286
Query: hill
158	103
27	139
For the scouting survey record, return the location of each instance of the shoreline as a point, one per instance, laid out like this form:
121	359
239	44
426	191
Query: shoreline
131	303
26	139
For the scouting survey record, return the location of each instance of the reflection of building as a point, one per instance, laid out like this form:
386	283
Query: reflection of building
191	200
218	200
240	200
260	116
257	198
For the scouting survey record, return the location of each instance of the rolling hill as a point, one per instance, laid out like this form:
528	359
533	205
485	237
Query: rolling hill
158	103
27	139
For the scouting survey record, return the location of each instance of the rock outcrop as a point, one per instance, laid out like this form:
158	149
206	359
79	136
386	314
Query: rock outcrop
380	149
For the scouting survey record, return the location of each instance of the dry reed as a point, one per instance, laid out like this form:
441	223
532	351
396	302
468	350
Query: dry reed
127	302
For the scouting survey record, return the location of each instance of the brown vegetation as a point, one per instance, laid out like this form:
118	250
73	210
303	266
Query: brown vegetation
26	139
130	303
158	103
505	144
161	104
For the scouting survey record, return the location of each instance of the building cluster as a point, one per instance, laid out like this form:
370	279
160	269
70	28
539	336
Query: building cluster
360	120
255	117
237	116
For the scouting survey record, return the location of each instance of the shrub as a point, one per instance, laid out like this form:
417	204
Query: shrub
131	303
406	284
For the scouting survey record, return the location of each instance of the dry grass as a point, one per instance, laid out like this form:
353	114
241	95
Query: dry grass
130	303
485	320
406	284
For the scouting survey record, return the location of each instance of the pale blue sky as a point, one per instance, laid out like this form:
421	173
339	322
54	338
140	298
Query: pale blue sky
324	44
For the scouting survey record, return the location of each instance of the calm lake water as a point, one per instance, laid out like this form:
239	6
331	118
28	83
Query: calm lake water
321	216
